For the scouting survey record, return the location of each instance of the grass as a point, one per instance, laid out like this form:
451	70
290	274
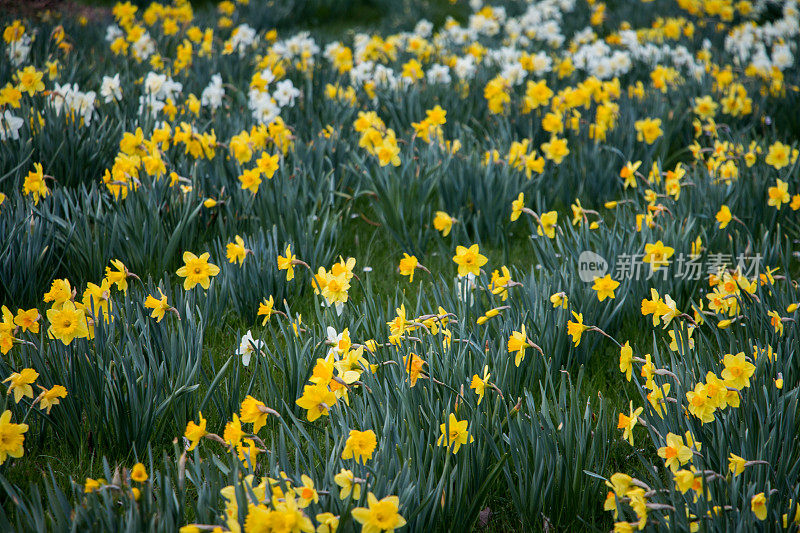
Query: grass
373	247
377	252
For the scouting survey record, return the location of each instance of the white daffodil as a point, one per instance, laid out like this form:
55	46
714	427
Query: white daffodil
248	346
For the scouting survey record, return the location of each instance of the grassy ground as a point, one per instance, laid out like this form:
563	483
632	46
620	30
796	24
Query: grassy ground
373	247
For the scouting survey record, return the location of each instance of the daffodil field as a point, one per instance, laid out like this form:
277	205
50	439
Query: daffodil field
468	266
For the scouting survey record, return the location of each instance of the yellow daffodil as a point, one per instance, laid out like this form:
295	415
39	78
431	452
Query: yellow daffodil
197	270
